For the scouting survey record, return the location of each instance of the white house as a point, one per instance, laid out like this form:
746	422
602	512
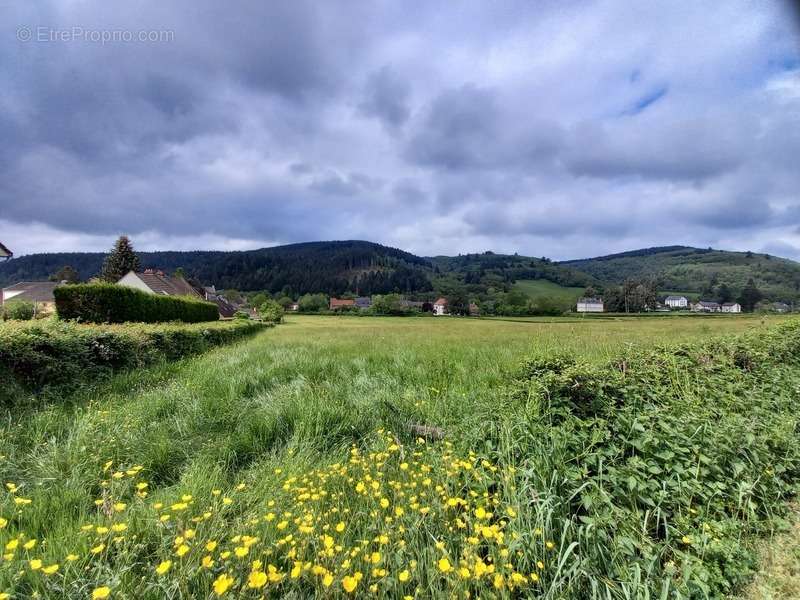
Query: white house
440	307
155	282
677	302
704	306
731	307
590	305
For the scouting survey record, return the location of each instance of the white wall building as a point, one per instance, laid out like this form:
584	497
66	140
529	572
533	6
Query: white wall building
677	301
440	307
590	305
731	307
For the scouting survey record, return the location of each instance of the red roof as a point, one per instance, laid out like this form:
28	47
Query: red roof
441	302
340	302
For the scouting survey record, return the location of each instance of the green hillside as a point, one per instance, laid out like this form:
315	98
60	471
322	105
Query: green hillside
541	288
698	270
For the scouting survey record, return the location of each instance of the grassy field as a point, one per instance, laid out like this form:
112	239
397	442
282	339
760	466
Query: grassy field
542	288
237	470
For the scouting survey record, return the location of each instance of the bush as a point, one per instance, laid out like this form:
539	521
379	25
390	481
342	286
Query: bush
109	303
18	310
664	462
271	311
60	353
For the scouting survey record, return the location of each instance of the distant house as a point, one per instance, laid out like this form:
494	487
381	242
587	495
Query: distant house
293	307
153	281
474	311
731	307
677	301
412	304
340	303
38	292
590	305
226	309
5	253
705	306
440	307
780	307
363	302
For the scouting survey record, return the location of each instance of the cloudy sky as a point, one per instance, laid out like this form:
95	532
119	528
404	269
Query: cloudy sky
557	128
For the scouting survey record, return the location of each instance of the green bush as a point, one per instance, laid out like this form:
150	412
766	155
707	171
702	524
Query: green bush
18	310
271	311
661	465
109	303
63	354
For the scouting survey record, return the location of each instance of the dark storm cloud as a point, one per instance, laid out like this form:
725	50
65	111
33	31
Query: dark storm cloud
434	128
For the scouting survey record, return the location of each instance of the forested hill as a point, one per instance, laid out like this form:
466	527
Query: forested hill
329	267
687	269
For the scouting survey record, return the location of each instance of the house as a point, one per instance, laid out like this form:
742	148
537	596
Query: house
590	305
731	307
340	303
705	306
5	253
677	302
363	302
412	304
474	311
293	307
153	281
440	307
780	307
38	292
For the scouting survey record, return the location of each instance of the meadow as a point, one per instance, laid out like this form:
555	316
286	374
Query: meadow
285	465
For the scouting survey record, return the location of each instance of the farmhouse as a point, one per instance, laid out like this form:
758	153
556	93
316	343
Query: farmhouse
440	307
780	307
156	282
5	253
705	306
474	311
340	303
731	307
38	292
590	305
363	302
677	302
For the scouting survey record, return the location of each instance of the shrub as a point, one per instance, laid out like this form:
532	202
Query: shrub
61	353
663	462
271	311
18	310
109	303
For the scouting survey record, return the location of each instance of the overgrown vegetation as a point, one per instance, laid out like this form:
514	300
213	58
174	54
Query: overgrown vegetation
232	474
110	303
60	356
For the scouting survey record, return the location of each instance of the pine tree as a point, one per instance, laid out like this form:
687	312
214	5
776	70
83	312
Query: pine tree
120	261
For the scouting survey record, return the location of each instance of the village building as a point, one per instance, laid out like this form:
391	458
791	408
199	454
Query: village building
781	307
363	302
293	307
5	253
731	307
40	293
706	306
340	303
590	305
474	311
440	307
677	302
226	309
153	281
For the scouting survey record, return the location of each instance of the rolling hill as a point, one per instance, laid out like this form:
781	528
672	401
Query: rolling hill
698	270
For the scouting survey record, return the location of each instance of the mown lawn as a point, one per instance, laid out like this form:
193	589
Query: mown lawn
185	466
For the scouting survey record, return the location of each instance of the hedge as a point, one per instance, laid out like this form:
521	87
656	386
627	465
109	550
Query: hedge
38	355
665	461
109	303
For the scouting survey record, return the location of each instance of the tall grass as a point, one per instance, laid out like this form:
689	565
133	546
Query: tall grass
295	401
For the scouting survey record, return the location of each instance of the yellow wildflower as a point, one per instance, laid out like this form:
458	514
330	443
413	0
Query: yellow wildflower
164	567
403	575
222	583
257	579
444	565
35	564
101	593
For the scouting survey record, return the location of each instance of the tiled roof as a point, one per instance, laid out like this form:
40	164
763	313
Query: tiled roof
33	291
166	285
441	302
5	251
590	300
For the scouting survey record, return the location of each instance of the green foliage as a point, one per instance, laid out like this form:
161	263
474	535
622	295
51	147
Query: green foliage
271	311
66	273
120	261
18	310
663	461
389	304
109	303
750	296
62	355
313	303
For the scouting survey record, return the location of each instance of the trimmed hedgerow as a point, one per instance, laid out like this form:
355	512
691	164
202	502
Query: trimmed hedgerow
661	465
63	354
109	303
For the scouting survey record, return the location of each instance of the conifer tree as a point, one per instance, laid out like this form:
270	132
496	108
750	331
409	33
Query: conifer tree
121	260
